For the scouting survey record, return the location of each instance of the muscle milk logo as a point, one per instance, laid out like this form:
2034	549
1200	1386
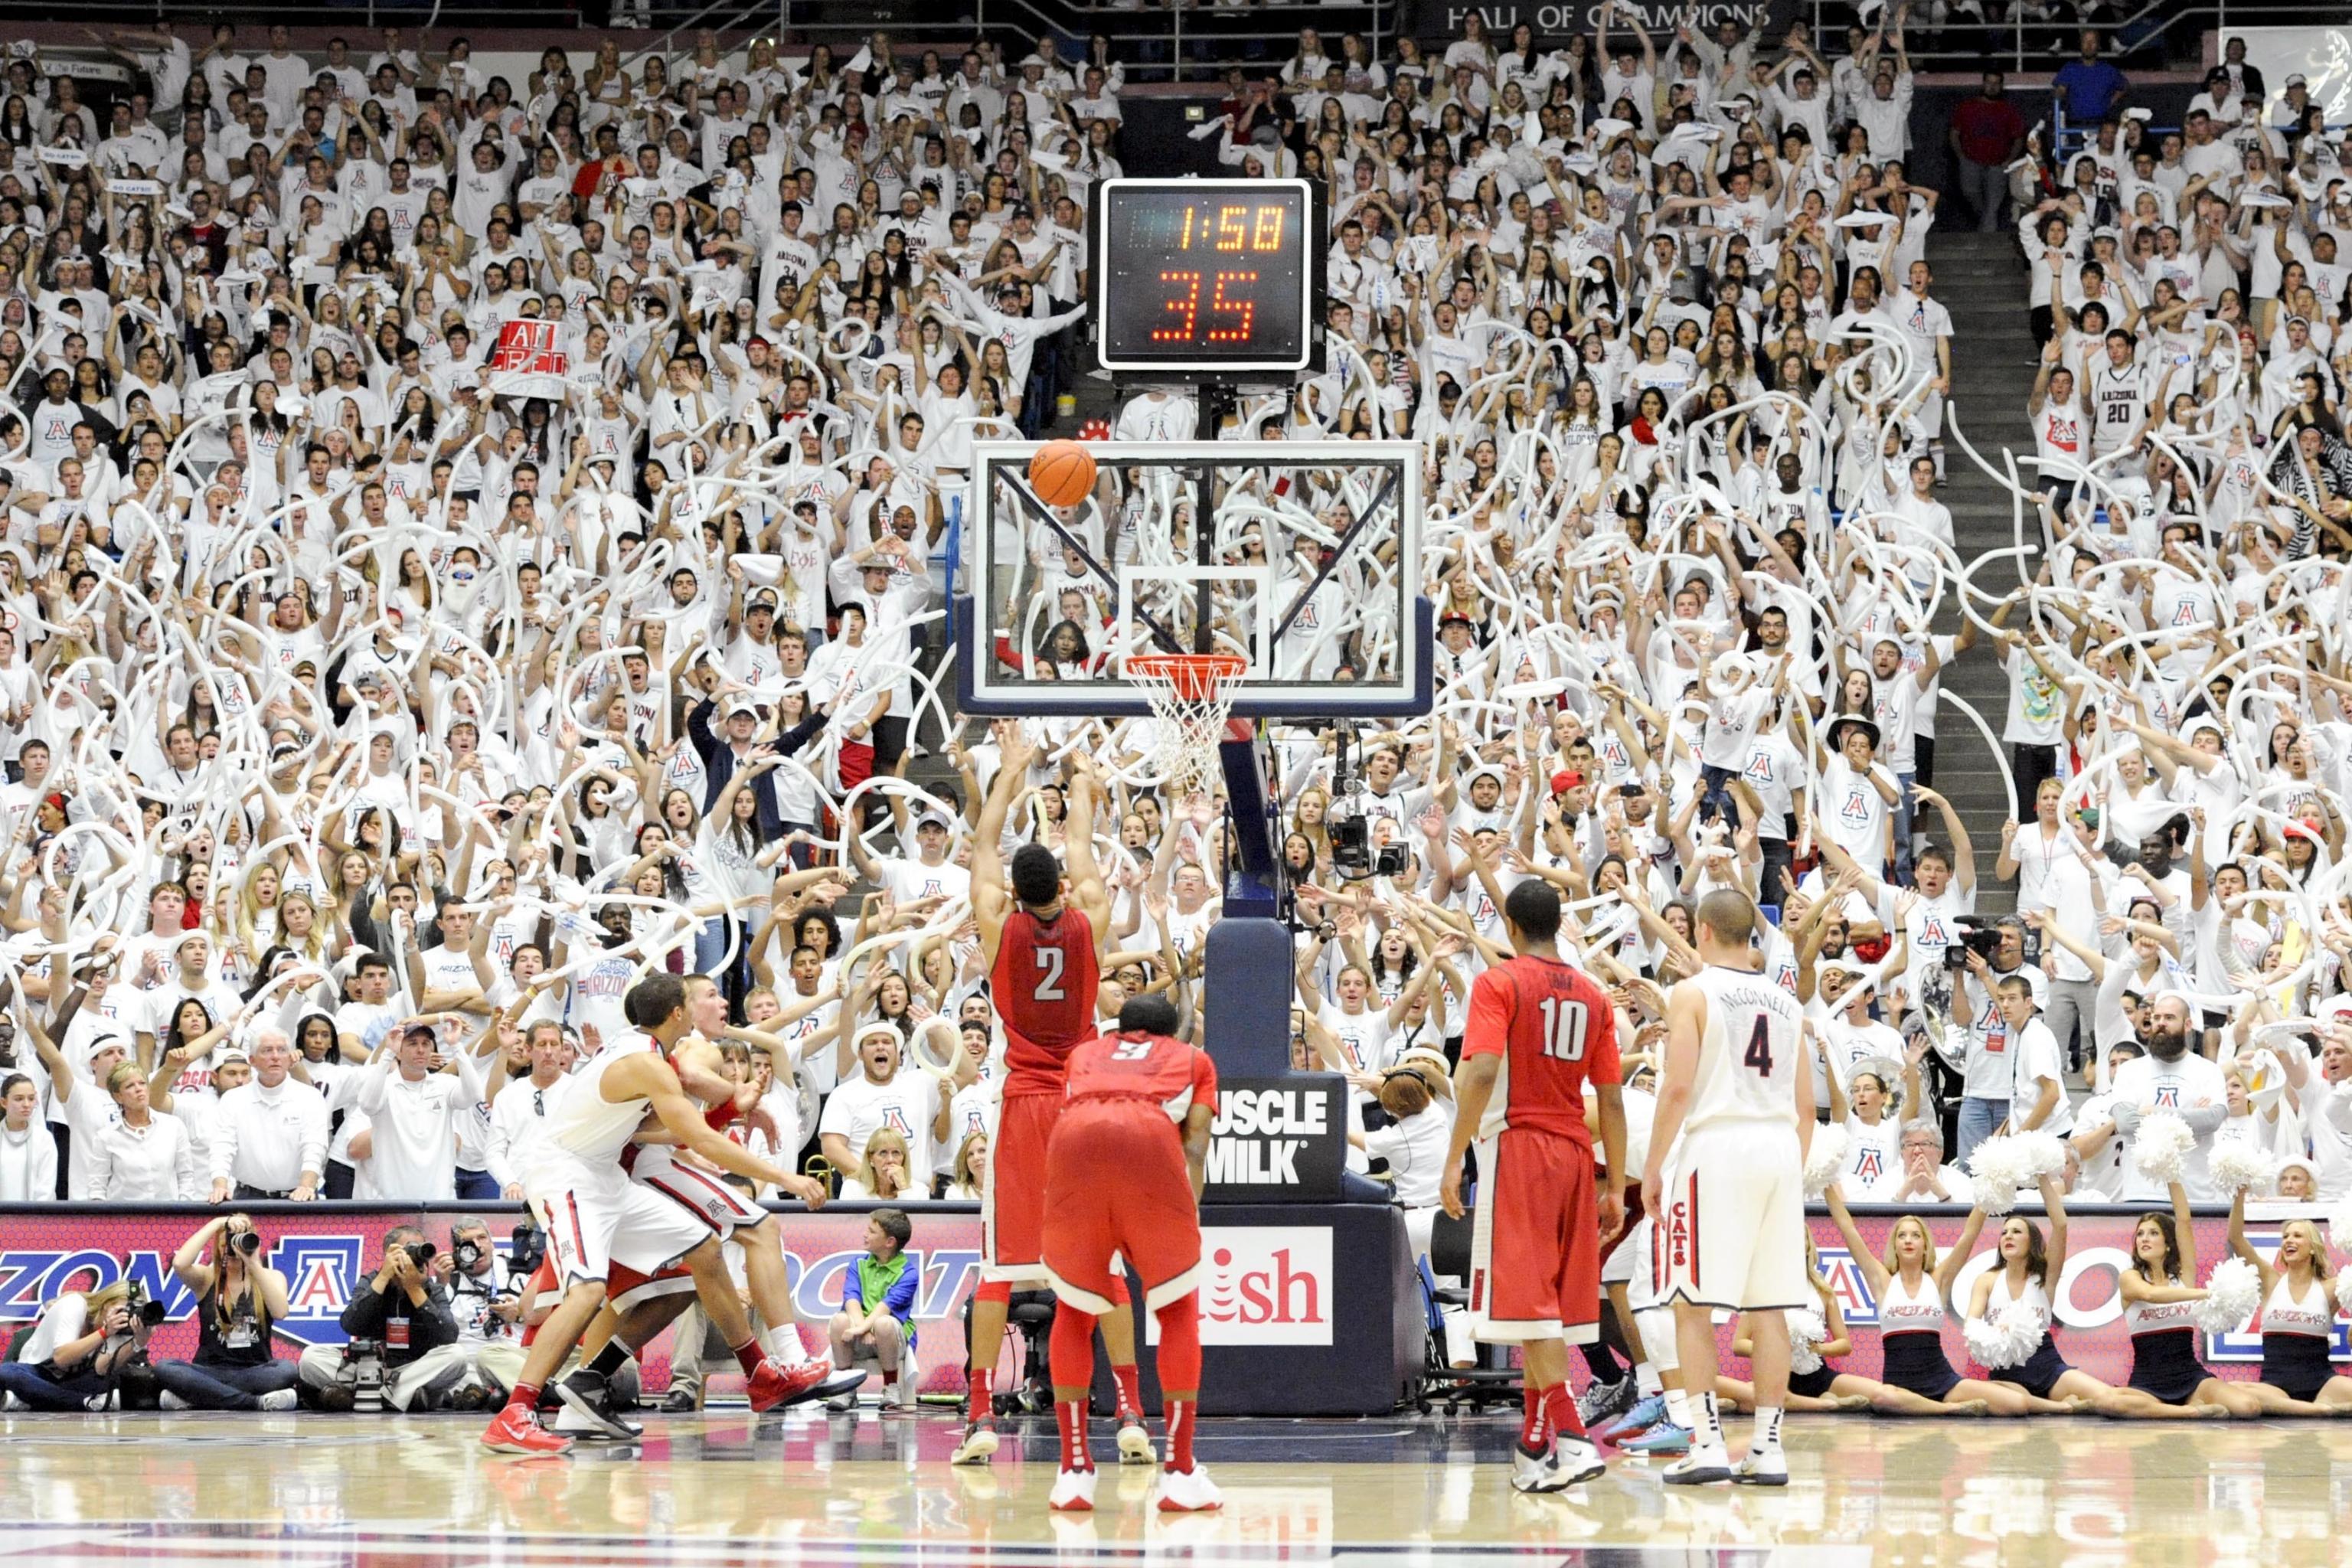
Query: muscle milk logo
1266	1285
1258	1134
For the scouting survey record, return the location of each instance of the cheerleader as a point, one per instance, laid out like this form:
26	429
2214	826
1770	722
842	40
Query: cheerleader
1911	1286
2166	1379
1826	1388
2298	1321
2028	1264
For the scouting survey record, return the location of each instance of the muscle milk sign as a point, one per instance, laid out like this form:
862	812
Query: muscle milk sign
1277	1139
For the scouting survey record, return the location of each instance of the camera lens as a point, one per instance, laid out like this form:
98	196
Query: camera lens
248	1242
421	1252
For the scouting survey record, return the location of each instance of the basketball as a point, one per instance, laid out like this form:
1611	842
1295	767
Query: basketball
1062	473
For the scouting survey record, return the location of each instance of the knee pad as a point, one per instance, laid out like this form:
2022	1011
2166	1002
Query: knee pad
1656	1326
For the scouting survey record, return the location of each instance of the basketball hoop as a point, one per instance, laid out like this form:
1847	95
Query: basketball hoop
1191	695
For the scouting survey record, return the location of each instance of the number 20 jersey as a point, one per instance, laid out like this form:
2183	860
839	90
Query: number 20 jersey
1749	1055
1554	1031
1044	986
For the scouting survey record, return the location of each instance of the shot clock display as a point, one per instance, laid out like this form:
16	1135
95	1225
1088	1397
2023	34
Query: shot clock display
1204	275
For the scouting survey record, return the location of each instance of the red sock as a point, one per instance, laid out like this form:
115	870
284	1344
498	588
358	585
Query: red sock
1535	1425
1179	1413
1070	1416
1180	1345
1131	1387
1559	1408
748	1356
984	1393
524	1398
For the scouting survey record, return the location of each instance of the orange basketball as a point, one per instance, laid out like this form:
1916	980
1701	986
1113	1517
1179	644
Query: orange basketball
1062	473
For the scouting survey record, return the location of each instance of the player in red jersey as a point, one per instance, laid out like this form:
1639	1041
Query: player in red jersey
1044	945
1538	1032
1124	1174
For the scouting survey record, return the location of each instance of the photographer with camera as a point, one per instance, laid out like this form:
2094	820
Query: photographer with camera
403	1339
486	1308
238	1297
80	1348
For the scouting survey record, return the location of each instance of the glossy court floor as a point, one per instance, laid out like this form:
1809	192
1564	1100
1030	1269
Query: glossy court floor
806	1487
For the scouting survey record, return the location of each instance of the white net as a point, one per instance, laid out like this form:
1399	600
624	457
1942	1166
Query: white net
1191	697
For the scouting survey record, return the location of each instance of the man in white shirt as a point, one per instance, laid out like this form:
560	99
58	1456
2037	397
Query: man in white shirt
413	1113
519	1109
2176	1079
268	1136
2038	1101
883	1095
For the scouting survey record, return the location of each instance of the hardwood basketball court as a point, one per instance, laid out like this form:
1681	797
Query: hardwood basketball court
809	1487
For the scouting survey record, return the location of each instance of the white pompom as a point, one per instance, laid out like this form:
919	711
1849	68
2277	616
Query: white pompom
2239	1163
1824	1159
2231	1293
2339	1225
2163	1142
1997	1165
2008	1338
2044	1155
1806	1333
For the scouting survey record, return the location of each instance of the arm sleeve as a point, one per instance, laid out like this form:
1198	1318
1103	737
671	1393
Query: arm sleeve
184	1173
901	1299
432	1325
1487	1030
314	1138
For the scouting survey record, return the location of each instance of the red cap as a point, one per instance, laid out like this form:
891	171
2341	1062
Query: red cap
1565	779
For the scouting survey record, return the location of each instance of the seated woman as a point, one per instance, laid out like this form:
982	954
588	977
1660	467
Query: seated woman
238	1297
81	1347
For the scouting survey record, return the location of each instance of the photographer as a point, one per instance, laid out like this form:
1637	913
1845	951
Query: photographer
79	1350
238	1296
399	1323
485	1308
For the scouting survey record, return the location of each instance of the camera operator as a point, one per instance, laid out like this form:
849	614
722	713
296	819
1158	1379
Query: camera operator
1987	1056
400	1321
80	1349
486	1308
238	1297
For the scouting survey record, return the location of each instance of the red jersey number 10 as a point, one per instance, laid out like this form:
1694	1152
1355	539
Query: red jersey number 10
1564	1024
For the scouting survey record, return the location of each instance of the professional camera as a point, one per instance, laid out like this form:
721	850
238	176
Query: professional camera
1976	937
362	1373
246	1241
466	1254
421	1252
1353	854
529	1246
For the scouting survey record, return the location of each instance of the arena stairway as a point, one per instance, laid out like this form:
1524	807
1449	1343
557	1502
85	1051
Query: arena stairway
1980	278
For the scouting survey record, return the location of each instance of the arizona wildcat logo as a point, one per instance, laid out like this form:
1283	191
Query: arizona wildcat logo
1870	1164
1855	811
2167	1097
1759	768
895	1118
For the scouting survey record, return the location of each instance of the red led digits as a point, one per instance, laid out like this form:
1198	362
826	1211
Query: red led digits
1189	303
1246	308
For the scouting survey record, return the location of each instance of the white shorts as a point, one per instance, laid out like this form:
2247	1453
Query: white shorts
591	1227
1733	1236
1633	1255
696	1189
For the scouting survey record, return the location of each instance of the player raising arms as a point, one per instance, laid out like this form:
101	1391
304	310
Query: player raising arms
1043	943
1730	1167
1124	1173
1538	1032
596	1217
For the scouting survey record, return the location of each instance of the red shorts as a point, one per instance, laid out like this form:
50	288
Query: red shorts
1116	1182
1535	1251
1012	1203
625	1287
854	764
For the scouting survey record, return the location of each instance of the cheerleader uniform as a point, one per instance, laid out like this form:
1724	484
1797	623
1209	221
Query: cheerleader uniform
1911	1334
2040	1372
2295	1337
2164	1350
1813	1384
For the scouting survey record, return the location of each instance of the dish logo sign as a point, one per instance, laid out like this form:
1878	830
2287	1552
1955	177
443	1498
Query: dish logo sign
1266	1285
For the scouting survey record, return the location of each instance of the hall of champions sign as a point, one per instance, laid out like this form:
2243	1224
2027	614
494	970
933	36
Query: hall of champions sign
1278	1139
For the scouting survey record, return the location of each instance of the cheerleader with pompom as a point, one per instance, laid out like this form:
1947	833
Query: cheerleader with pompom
2298	1321
1911	1286
2011	1305
2160	1311
1816	1337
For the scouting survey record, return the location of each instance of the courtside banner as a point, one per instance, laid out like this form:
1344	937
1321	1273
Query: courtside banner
324	1250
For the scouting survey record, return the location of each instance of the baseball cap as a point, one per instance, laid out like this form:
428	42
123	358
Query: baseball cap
1565	779
2296	80
739	703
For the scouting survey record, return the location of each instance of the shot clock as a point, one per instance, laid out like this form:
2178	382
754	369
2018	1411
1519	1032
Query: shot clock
1205	276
